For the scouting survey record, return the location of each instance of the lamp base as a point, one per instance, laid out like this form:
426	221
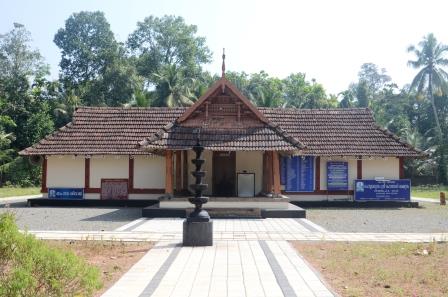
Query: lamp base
197	233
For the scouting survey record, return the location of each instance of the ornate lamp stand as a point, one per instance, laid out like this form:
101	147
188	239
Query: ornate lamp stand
198	228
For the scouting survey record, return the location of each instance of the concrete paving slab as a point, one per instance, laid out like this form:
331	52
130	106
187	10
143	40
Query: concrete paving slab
229	268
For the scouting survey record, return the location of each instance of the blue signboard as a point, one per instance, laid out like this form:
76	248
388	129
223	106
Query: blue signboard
337	176
382	190
299	174
66	193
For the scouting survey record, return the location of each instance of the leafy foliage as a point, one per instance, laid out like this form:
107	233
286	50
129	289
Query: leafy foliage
93	64
172	88
24	113
167	41
28	267
430	58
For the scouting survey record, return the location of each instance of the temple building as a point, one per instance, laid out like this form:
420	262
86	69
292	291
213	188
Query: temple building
253	154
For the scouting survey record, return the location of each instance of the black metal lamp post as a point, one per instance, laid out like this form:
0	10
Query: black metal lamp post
199	214
198	228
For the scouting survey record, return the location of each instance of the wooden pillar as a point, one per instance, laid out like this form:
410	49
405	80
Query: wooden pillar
178	171
264	183
359	169
185	171
401	167
87	173
131	174
276	173
169	172
43	188
317	174
267	172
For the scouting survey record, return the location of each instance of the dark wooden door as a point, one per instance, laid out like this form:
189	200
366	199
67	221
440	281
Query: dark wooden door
224	174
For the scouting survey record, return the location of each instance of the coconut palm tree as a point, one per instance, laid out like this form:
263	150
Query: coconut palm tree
430	58
140	98
172	88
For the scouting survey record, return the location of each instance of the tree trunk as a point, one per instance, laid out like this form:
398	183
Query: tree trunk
434	109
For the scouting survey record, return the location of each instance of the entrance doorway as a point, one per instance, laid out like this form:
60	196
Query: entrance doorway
224	167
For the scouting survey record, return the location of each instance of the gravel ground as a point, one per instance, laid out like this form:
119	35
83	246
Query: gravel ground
429	217
71	218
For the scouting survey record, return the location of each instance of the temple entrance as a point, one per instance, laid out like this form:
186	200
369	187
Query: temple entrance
224	168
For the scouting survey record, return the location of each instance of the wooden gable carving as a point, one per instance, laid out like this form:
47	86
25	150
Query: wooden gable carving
223	107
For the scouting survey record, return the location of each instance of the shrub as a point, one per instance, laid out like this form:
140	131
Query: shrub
21	173
29	267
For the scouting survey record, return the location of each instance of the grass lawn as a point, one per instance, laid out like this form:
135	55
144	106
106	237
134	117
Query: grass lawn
432	191
8	192
112	258
380	269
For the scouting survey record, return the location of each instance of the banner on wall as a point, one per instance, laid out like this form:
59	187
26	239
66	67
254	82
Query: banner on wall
337	176
283	170
382	190
298	173
66	193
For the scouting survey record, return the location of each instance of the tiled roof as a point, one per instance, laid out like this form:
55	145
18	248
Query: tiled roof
325	132
336	132
105	131
247	139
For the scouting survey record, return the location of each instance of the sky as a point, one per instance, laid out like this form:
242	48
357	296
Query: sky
328	40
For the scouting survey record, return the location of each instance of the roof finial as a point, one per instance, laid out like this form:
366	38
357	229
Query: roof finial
223	74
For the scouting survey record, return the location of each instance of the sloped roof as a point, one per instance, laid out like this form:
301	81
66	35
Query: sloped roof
342	131
105	131
322	132
244	139
222	84
226	121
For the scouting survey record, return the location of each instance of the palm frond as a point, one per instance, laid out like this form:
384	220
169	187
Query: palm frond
170	101
418	79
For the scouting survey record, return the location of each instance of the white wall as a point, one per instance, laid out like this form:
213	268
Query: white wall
388	168
149	172
65	171
252	162
108	167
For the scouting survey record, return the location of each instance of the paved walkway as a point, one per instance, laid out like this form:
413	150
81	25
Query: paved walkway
18	198
250	257
429	200
228	268
236	230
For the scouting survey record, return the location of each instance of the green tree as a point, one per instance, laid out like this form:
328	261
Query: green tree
375	79
7	153
115	86
347	99
239	79
19	65
300	93
173	89
430	58
20	68
264	90
87	45
93	63
362	94
24	103
167	41
141	98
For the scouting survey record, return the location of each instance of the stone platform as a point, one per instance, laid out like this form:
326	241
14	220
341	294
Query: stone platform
227	207
92	202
